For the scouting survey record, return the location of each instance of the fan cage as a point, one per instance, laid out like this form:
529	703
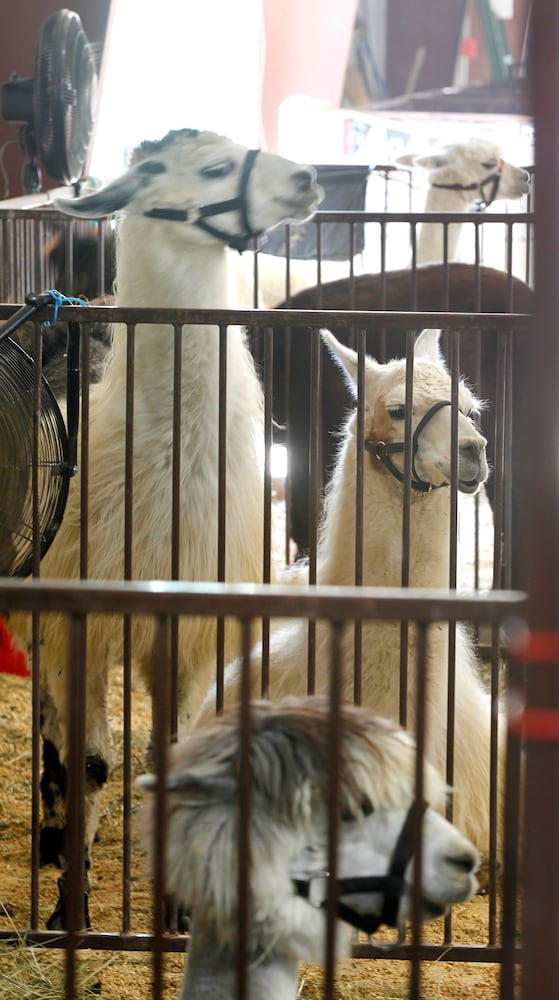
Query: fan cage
65	96
20	455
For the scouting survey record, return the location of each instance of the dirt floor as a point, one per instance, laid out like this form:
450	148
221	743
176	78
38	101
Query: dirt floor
32	974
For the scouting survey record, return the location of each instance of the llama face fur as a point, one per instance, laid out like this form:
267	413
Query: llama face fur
385	410
289	781
188	170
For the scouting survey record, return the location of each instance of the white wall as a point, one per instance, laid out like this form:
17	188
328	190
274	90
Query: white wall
193	65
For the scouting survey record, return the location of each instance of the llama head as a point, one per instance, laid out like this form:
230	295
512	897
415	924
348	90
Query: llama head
218	188
475	166
386	404
289	755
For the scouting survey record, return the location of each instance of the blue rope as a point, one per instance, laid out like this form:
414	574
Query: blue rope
62	300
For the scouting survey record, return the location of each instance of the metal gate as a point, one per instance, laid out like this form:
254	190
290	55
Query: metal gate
491	339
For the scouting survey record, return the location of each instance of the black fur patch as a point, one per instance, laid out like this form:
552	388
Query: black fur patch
96	770
57	919
51	846
53	778
151	167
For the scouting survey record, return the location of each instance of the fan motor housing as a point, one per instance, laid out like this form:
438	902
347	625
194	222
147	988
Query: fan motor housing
58	106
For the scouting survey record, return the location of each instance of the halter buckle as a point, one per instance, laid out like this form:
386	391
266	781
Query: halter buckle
318	889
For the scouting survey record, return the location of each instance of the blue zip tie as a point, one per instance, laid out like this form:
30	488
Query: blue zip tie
62	300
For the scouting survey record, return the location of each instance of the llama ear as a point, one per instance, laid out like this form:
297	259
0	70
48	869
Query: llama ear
406	160
344	356
431	161
427	346
114	196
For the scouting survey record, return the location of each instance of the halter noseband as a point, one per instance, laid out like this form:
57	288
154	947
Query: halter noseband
391	885
485	199
383	451
199	216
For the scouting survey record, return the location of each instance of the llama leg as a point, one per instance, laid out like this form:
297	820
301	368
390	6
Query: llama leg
55	771
53	786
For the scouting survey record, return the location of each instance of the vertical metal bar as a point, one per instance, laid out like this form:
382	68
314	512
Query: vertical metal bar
176	518
162	690
84	458
359	504
126	626
406	527
36	635
417	897
286	332
315	485
452	574
221	526
75	827
267	523
334	767
511	845
244	845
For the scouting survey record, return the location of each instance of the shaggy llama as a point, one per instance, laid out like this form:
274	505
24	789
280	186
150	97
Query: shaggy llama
184	200
383	498
289	780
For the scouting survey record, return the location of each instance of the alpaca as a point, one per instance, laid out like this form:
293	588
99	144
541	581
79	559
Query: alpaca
461	176
383	497
289	754
183	201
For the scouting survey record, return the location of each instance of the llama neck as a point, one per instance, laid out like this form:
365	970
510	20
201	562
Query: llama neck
157	267
211	974
430	243
382	529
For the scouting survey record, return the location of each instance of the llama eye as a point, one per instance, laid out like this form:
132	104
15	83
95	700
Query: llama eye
397	412
219	169
489	164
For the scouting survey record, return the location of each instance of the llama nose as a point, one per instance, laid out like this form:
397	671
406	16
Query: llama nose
466	862
472	450
304	178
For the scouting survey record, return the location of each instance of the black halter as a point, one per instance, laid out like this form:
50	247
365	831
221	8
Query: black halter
199	216
391	885
383	451
485	198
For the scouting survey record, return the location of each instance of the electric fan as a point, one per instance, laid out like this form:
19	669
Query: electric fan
58	105
35	466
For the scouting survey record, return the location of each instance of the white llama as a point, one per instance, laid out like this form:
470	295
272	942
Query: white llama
289	780
460	175
184	200
385	409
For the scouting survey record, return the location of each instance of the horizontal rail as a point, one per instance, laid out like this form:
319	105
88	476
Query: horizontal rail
178	944
248	600
283	317
44	209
